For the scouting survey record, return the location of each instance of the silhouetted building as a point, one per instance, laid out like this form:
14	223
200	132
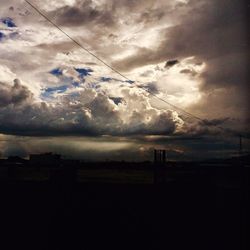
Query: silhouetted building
47	158
15	160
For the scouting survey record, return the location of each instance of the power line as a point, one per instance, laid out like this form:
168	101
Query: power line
115	70
76	42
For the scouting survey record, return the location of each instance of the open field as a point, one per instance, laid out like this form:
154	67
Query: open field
123	209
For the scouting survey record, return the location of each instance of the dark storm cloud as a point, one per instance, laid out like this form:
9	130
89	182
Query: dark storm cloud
171	63
227	70
116	100
198	147
133	6
15	95
108	14
14	149
151	87
214	32
90	113
152	15
214	122
82	13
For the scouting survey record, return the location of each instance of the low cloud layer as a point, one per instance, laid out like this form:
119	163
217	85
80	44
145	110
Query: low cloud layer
88	113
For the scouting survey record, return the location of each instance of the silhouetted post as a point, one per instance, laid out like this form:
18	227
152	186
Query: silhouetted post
164	156
155	155
240	145
159	163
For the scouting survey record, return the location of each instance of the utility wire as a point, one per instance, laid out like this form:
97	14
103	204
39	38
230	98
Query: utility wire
116	71
75	41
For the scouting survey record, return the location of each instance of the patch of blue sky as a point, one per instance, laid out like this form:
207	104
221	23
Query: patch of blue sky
83	72
49	92
116	100
106	79
60	89
56	72
12	35
46	95
8	22
109	79
76	84
130	82
74	94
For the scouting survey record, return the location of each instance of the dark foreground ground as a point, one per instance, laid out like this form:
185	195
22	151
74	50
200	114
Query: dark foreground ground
208	211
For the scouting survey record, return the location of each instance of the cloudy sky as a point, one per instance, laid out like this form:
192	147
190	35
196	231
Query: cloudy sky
56	97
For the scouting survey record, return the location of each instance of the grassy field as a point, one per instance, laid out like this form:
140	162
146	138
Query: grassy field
115	176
